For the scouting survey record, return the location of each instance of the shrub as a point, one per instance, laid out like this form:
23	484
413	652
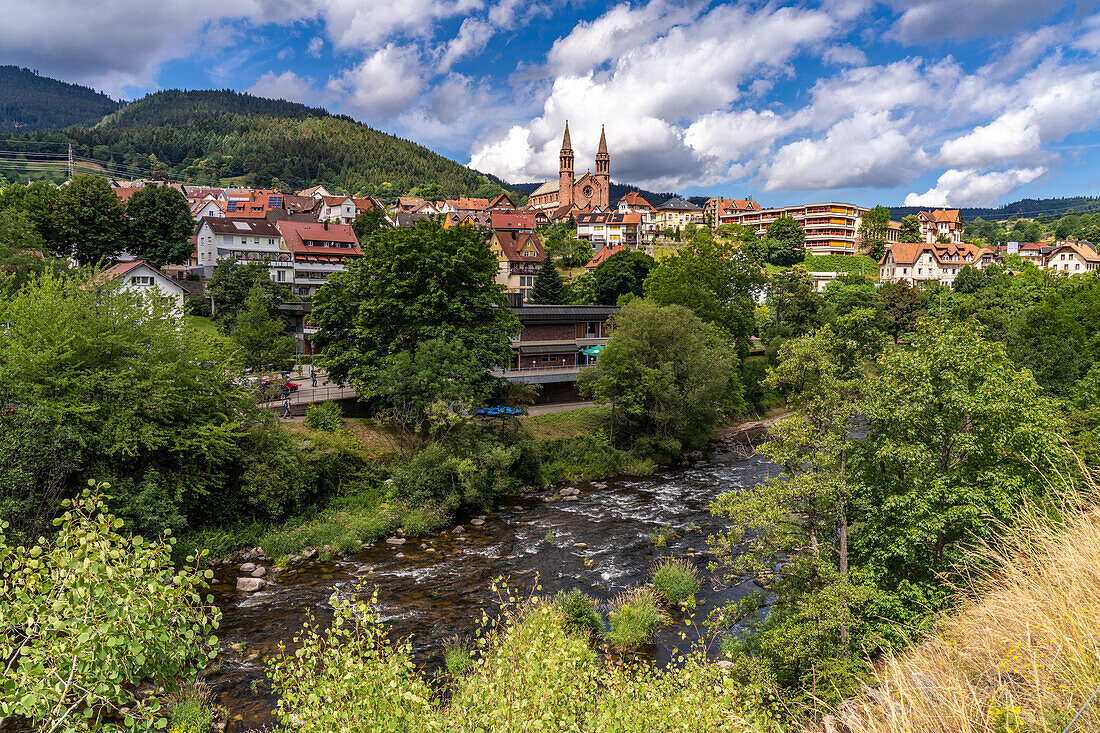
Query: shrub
588	456
112	615
324	416
457	658
190	710
675	580
579	613
633	619
660	536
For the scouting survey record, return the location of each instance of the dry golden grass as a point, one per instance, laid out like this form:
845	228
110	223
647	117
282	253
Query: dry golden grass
1024	655
378	443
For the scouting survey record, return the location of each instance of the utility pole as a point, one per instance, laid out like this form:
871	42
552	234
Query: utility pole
70	161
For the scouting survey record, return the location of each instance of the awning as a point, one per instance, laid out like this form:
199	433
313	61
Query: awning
593	351
548	349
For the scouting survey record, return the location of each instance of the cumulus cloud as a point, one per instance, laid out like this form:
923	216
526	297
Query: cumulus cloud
355	24
473	35
924	20
288	86
315	45
957	188
844	55
384	84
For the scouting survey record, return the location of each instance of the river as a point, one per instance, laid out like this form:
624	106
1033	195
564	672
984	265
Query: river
435	587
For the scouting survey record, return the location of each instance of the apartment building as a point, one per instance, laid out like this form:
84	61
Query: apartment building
635	203
318	249
716	208
519	256
941	224
919	262
676	213
1073	257
610	229
243	240
831	227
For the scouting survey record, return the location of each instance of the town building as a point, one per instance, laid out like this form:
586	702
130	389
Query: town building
715	208
206	207
609	229
676	213
315	192
519	256
243	241
568	192
554	344
520	222
141	277
941	225
830	227
1073	257
336	209
602	255
318	250
917	262
634	203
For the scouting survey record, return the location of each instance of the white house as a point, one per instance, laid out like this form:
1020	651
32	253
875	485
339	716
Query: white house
243	240
206	207
337	209
140	276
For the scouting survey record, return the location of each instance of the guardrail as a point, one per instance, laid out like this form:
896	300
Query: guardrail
305	395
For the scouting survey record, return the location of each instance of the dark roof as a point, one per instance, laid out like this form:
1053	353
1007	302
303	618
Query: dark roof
567	313
564	348
678	204
241	227
410	218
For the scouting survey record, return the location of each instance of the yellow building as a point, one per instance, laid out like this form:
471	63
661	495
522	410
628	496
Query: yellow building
677	213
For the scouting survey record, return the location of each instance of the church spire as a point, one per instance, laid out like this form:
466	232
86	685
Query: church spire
565	144
603	141
603	160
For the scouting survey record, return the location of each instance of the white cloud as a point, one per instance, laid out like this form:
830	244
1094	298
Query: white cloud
866	150
844	55
370	25
473	35
315	45
288	86
924	20
957	188
382	85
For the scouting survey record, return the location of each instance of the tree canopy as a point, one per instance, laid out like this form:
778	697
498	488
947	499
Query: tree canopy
620	274
159	225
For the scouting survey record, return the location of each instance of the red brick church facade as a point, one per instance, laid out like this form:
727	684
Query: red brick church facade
586	192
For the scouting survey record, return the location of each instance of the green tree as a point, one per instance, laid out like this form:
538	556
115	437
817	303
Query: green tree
260	337
90	220
622	273
668	376
958	438
873	230
369	223
706	278
160	226
795	529
582	290
903	307
549	288
910	229
232	283
969	280
410	286
91	622
786	241
435	387
40	203
115	386
798	307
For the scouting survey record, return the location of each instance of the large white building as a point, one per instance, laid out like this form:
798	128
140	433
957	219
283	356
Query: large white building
243	240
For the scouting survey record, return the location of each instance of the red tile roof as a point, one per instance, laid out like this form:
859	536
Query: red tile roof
511	220
297	233
513	244
603	254
636	199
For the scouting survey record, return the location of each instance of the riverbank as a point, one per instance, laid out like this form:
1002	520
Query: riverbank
567	444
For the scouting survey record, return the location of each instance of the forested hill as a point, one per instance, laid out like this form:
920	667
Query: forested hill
31	102
230	138
1024	208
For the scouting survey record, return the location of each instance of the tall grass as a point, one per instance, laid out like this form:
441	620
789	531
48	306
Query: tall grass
1022	655
675	580
634	618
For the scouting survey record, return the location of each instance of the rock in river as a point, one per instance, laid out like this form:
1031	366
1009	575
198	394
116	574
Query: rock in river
250	585
395	541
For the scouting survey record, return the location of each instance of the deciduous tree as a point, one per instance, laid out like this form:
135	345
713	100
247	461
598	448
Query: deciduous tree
90	220
160	226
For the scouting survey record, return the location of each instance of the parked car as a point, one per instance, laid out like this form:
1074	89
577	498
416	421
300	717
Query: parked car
285	387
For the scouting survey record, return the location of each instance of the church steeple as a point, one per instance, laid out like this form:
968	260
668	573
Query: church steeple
603	162
565	170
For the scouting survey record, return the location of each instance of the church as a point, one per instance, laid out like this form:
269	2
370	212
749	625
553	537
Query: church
569	193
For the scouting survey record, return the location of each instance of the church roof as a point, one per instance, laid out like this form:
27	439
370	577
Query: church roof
565	144
603	143
548	187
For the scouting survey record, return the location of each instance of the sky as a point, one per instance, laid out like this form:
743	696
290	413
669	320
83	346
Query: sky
917	102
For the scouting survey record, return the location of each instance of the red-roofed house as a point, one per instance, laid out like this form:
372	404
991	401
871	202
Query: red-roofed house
945	223
923	262
512	220
602	255
1072	257
319	249
519	254
337	209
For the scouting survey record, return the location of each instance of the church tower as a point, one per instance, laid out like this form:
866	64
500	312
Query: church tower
603	169
565	171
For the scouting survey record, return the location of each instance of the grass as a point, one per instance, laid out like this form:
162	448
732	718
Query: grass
579	614
190	709
380	444
203	325
549	538
567	423
675	580
633	619
456	657
1023	655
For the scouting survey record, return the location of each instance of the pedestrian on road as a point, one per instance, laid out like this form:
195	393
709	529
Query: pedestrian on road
286	409
313	377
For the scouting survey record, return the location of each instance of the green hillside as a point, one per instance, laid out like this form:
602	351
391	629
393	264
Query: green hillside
31	102
218	137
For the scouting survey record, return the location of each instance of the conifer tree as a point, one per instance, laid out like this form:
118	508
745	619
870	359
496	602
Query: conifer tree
549	288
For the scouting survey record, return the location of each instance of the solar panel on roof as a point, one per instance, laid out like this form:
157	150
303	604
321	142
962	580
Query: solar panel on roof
242	226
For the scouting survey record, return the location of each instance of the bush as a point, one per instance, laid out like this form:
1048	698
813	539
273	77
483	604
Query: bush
324	416
586	456
196	305
457	658
190	710
675	580
579	613
634	619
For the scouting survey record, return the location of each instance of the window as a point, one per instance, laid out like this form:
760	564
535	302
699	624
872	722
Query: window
141	280
592	329
280	275
1062	256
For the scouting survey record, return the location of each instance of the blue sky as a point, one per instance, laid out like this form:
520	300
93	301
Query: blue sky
929	102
